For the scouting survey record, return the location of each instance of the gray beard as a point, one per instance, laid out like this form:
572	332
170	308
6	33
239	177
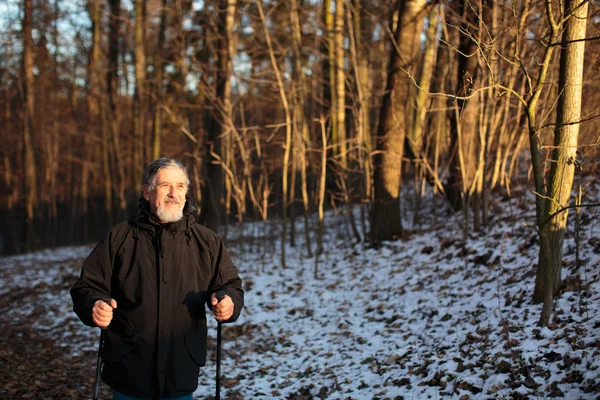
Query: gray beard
166	216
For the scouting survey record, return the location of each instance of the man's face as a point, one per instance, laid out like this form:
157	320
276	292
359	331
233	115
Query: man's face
168	197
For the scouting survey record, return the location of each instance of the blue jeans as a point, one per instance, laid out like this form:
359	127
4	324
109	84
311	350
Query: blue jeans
122	396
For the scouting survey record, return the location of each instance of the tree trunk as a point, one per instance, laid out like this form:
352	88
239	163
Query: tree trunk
463	111
328	54
158	85
386	223
288	130
437	124
96	122
29	101
562	169
321	195
414	140
212	209
114	113
490	110
139	101
340	88
301	134
361	32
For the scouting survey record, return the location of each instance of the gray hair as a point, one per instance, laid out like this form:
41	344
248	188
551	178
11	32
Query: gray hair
158	164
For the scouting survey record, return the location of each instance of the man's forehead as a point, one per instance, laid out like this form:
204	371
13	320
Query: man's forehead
171	175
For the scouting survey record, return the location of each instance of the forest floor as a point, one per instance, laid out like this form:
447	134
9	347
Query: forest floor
430	316
33	363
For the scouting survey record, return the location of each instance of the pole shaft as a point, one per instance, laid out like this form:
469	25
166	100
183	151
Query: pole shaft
219	333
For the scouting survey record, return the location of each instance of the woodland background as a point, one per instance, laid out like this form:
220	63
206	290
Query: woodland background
281	109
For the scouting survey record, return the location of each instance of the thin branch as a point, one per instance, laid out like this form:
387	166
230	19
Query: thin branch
571	123
574	41
562	209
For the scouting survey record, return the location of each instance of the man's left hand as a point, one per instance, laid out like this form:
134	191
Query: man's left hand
222	310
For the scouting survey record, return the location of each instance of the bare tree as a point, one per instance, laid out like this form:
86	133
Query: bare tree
29	106
112	144
386	222
300	123
464	141
339	96
212	212
159	69
415	138
139	101
552	217
360	34
288	129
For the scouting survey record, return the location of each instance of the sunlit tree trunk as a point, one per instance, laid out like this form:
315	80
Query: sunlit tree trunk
564	157
464	141
415	134
490	111
288	130
301	134
139	101
437	123
328	65
386	223
414	140
29	101
321	195
361	32
340	144
158	85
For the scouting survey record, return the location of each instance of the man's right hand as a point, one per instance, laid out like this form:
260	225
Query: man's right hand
102	312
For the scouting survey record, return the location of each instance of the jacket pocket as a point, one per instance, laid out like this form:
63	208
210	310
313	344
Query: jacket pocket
128	365
115	348
195	342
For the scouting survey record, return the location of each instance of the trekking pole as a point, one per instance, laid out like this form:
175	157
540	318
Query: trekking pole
220	295
99	363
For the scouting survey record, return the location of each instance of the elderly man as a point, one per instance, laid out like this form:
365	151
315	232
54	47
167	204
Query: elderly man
147	283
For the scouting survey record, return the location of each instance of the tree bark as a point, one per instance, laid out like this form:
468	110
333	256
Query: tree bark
415	138
139	106
212	209
288	130
339	129
562	169
158	85
360	32
301	131
386	223
464	111
113	144
29	103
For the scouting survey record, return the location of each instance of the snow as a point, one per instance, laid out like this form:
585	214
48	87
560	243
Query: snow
427	317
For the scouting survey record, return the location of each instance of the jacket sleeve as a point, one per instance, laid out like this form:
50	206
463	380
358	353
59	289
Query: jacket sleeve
226	279
94	281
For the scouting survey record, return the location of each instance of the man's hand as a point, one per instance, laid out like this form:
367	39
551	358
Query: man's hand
222	310
102	312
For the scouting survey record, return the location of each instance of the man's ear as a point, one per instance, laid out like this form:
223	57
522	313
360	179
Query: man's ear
145	192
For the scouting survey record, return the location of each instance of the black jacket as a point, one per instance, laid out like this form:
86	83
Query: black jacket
162	276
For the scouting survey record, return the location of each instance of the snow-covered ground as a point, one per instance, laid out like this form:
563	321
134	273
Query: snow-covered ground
430	316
